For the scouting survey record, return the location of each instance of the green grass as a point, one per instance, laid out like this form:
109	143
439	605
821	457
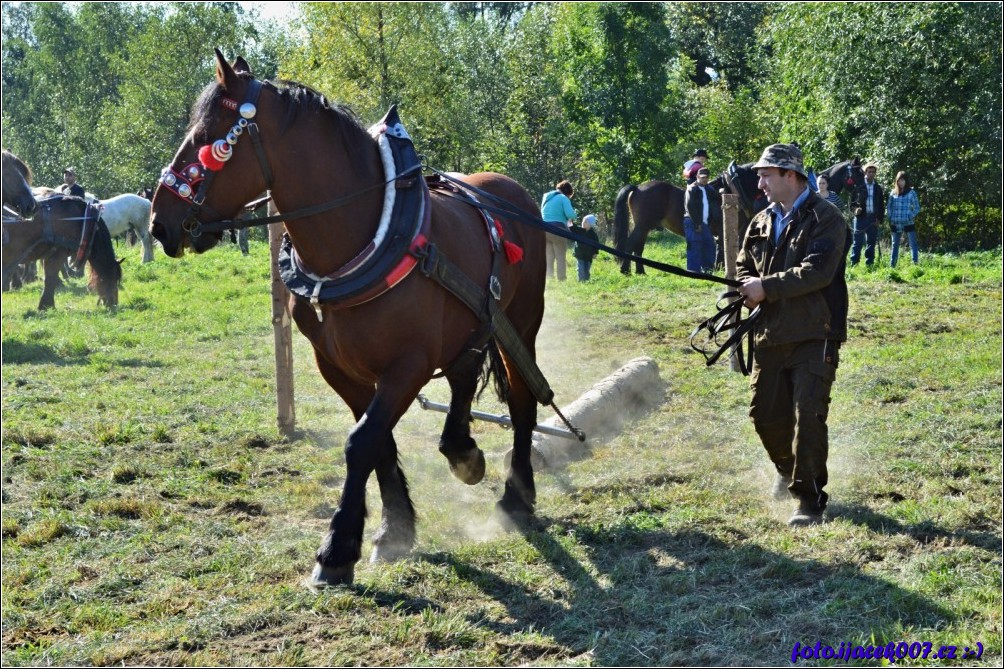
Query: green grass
152	513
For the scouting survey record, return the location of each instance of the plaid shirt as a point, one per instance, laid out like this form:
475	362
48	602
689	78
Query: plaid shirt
903	208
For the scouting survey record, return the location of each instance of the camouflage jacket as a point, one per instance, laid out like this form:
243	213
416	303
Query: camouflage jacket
803	274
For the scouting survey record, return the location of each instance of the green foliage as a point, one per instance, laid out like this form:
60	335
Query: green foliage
614	59
106	87
602	94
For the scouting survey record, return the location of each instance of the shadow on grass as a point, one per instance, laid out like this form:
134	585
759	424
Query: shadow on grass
655	597
20	353
924	532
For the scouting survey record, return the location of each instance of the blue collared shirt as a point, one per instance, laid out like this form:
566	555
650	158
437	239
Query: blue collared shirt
782	219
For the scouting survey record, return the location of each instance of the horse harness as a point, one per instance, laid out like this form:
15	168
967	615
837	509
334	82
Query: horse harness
82	246
400	245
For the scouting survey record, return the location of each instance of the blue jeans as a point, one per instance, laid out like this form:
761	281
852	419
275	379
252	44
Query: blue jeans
700	247
584	267
911	234
865	234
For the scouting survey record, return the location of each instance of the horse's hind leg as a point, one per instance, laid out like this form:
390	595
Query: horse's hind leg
467	461
520	494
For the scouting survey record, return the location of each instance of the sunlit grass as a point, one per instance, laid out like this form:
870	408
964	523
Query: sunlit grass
152	513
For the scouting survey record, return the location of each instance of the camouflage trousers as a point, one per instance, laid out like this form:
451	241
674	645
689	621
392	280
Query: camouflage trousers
791	400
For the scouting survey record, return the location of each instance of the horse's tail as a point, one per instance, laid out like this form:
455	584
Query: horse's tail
622	216
493	370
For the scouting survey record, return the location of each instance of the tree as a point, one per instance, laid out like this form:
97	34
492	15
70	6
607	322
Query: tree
719	37
614	60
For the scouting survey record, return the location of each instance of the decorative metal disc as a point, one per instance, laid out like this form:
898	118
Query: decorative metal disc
248	110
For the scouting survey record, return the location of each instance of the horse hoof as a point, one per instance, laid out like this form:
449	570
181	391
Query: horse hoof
389	553
329	577
513	515
470	468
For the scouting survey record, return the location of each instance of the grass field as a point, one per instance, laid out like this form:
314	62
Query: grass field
152	513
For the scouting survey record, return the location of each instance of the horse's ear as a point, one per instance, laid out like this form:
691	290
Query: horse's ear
241	65
225	74
857	160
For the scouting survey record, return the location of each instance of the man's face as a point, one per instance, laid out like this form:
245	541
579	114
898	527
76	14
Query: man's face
870	174
778	187
702	179
69	177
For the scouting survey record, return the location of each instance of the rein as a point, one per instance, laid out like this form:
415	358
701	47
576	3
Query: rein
506	209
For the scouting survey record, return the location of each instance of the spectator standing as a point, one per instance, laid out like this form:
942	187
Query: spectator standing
71	187
692	166
903	208
556	209
792	266
584	253
701	206
868	207
829	196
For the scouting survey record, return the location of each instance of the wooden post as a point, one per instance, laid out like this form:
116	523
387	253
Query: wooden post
283	332
730	244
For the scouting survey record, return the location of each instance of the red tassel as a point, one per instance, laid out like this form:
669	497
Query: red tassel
513	253
207	159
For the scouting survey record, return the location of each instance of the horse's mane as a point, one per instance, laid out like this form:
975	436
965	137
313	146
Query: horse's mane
299	100
20	165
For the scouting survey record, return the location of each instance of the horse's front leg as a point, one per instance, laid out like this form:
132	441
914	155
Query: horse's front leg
147	241
371	447
53	264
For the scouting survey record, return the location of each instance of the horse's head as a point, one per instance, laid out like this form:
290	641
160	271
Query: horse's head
17	185
218	166
846	174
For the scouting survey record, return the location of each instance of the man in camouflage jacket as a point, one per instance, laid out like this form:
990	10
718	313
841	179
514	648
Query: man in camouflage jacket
792	264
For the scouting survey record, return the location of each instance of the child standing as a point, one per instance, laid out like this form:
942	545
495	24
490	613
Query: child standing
584	253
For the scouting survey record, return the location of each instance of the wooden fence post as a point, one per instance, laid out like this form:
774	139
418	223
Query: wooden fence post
730	245
283	332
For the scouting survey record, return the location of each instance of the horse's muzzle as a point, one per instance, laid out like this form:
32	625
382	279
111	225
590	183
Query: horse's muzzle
173	247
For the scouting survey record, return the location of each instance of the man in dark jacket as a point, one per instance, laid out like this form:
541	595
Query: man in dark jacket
792	265
868	207
71	187
702	208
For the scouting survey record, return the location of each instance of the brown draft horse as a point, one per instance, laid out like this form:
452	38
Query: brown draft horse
379	354
656	204
53	232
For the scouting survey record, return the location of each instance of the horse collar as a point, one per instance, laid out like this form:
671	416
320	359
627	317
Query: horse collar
389	257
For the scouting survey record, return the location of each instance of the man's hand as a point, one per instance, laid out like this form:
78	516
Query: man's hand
752	290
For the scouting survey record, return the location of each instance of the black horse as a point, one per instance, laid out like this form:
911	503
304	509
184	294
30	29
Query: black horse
61	225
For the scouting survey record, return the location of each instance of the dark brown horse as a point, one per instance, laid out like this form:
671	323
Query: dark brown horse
656	204
378	354
57	229
17	194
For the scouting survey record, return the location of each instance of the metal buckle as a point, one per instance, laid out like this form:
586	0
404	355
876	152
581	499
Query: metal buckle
495	286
